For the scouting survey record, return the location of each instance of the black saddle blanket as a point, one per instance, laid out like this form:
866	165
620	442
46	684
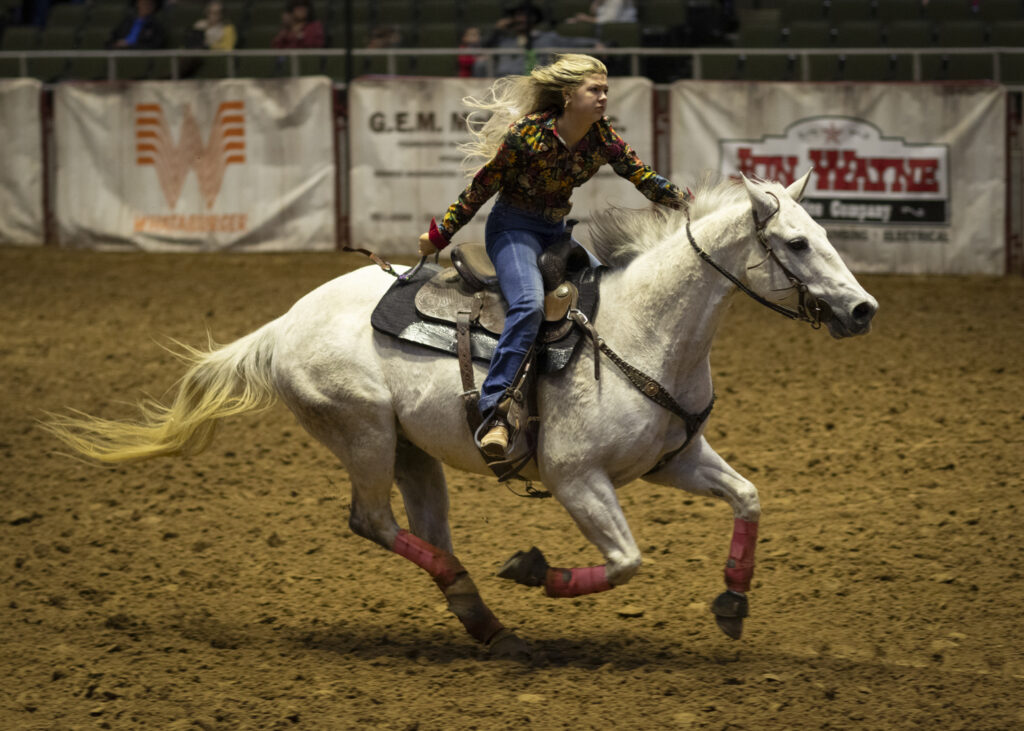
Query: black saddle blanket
396	315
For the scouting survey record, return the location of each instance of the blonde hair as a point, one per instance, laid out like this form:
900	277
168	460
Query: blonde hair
512	97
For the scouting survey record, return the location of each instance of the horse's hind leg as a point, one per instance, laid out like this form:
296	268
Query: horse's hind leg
421	481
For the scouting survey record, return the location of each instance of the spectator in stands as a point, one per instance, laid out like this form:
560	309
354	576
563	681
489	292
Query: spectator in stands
214	33
141	30
470	64
523	27
607	11
299	27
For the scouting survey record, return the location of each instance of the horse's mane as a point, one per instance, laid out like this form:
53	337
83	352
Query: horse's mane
619	235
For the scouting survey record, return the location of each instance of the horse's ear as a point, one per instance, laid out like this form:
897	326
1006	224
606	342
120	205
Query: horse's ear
764	203
796	190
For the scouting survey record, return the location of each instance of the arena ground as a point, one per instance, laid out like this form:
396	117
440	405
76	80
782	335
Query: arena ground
225	591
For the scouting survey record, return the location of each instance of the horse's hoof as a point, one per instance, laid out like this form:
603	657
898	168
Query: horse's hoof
732	626
729	608
506	645
527	567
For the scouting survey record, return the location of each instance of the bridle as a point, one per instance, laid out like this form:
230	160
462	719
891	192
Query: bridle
808	307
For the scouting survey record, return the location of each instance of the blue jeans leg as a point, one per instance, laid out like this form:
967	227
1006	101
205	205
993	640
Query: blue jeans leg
514	253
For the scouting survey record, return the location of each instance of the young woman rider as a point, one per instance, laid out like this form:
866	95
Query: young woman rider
546	135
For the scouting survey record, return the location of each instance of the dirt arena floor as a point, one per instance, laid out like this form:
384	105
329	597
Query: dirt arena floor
226	591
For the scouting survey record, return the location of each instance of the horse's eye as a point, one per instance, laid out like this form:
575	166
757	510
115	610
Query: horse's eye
797	245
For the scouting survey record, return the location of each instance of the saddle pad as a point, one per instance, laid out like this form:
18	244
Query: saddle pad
396	315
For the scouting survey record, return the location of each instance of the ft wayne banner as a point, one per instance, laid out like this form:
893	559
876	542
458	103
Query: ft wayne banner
908	178
196	165
21	162
406	167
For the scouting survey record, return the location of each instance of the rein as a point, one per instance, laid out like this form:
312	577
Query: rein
802	313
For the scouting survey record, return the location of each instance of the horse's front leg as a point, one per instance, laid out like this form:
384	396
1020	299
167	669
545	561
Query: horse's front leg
592	503
702	471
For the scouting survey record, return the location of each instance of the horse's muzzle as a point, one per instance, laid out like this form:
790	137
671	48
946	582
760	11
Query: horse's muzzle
847	321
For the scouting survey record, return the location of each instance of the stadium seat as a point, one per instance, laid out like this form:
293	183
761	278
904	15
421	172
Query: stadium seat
1007	33
436	35
759	35
956	67
808	34
264	13
620	35
962	33
259	36
848	11
67	15
858	34
909	34
577	30
996	11
432	66
481	13
722	67
793	10
439	11
825	67
1011	68
941	11
775	67
891	11
17	38
876	67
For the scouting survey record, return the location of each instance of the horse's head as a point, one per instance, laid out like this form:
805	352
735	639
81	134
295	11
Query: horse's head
794	257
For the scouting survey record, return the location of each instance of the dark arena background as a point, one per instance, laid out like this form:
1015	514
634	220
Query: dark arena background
173	195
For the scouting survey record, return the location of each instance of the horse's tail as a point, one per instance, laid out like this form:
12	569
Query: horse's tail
222	381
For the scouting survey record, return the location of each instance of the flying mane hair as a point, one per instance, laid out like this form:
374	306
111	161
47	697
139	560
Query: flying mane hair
512	97
619	235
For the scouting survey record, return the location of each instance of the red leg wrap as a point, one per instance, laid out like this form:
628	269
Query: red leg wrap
463	598
440	564
576	582
739	569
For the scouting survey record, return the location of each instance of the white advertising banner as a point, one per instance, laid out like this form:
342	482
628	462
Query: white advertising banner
406	167
908	178
235	164
21	162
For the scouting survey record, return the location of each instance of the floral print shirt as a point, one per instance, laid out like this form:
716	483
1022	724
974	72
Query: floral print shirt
535	171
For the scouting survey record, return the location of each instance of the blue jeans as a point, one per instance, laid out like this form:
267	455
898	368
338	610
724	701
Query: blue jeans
515	238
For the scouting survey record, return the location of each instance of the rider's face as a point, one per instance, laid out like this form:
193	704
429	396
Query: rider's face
591	97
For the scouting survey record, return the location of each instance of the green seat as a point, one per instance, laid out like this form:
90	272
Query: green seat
759	36
825	67
67	15
941	11
259	36
1007	33
665	13
107	16
20	38
858	34
774	67
963	34
261	67
997	11
577	30
1011	68
723	67
909	34
439	11
436	35
809	34
851	11
264	13
956	67
432	66
891	11
801	10
481	13
620	35
877	67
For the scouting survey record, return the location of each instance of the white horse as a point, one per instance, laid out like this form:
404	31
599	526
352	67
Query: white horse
392	411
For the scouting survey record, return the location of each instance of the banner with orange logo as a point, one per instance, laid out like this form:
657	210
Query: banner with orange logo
21	163
237	164
908	178
405	166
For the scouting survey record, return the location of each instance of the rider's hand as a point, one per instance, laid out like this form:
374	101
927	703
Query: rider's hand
427	247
